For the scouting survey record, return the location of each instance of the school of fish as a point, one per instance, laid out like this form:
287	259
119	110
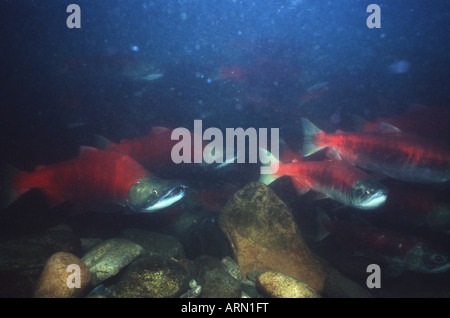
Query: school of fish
121	174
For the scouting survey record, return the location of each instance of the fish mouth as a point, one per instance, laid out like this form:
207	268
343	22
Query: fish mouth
376	200
369	194
172	196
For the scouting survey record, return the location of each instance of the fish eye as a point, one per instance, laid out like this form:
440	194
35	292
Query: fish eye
438	258
155	192
362	192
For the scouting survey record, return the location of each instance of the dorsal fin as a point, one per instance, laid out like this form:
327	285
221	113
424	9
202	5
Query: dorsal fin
101	142
39	168
309	131
158	130
388	128
86	149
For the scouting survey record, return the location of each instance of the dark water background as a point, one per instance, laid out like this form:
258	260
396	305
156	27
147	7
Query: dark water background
61	86
46	89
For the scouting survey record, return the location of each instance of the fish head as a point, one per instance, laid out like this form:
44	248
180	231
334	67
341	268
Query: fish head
426	259
368	194
439	218
152	193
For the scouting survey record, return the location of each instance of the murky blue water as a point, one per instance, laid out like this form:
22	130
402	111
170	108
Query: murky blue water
135	65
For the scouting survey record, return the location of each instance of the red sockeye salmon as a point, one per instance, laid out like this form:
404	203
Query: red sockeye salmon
395	154
93	179
400	252
426	121
154	150
334	179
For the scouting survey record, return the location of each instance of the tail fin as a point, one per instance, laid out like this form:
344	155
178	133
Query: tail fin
309	131
268	169
7	193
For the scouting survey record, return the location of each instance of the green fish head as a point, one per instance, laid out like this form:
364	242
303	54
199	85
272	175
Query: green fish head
368	194
152	193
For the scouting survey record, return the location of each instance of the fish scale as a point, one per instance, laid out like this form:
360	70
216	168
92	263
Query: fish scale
334	179
398	155
94	179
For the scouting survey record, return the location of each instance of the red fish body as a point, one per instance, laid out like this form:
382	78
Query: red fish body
154	151
398	155
93	179
264	72
371	240
399	251
234	72
423	121
419	207
335	179
215	200
151	151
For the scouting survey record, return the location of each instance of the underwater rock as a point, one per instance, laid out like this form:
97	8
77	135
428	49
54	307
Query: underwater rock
264	236
88	243
187	220
232	267
101	291
249	289
53	282
203	236
194	290
205	263
152	277
107	258
279	285
214	278
24	257
60	239
155	243
28	255
217	283
339	286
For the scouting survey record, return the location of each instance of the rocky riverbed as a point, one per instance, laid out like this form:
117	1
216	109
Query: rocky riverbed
257	251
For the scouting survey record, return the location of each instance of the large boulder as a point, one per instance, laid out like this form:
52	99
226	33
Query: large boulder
279	285
58	280
106	259
153	277
156	244
215	278
264	237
